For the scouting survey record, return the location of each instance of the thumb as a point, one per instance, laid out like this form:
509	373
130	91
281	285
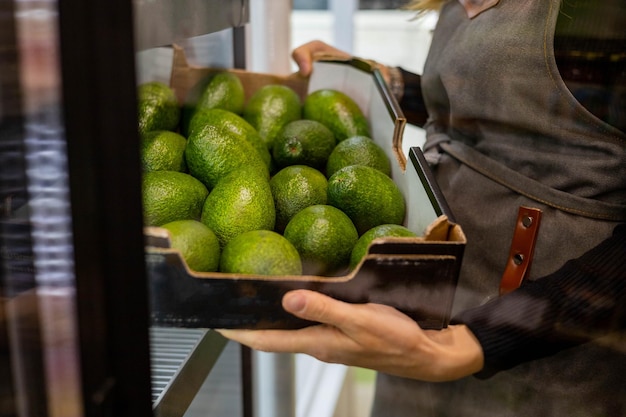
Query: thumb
314	306
304	60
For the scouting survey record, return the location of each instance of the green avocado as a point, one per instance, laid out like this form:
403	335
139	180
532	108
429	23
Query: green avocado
338	111
384	230
270	108
240	202
231	123
213	153
368	196
219	90
158	107
261	252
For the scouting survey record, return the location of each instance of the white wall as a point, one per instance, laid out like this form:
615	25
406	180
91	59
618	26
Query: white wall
269	37
387	36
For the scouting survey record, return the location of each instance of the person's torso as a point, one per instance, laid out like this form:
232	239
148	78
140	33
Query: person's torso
493	82
504	131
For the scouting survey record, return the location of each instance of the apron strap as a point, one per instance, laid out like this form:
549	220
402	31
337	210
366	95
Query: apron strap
530	188
522	248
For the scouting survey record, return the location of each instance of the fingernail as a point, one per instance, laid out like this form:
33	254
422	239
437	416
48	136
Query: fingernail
294	302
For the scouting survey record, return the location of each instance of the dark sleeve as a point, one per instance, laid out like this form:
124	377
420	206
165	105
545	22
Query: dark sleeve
583	300
412	102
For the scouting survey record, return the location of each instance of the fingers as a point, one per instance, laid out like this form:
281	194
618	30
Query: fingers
312	340
366	335
263	340
304	59
309	340
350	318
305	54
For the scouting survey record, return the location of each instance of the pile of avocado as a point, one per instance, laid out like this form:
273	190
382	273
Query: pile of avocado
282	185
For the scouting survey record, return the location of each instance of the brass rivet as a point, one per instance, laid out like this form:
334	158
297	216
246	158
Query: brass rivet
527	221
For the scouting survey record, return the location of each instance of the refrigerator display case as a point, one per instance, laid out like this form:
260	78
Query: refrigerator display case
75	336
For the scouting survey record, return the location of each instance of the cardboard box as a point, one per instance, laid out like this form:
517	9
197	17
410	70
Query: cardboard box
417	276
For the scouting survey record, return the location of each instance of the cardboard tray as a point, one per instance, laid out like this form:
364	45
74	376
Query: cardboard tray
417	276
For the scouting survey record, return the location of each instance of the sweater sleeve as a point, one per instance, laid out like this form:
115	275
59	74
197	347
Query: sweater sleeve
583	300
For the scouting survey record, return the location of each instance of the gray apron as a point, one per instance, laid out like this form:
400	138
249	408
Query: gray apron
503	132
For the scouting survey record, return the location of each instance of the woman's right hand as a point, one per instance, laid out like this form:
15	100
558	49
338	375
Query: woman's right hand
373	336
306	54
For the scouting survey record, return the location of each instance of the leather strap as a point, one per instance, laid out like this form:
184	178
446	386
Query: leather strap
522	247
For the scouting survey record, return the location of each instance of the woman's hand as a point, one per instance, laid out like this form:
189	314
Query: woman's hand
306	54
370	336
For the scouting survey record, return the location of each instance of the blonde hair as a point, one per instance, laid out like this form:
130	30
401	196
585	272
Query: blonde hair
423	6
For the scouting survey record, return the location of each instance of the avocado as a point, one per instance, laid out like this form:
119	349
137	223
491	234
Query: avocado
361	247
162	150
338	111
368	196
229	122
260	252
294	188
240	202
213	152
158	107
218	90
324	237
303	142
171	195
270	108
358	150
196	243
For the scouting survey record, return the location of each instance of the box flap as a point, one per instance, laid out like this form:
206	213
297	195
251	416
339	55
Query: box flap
185	76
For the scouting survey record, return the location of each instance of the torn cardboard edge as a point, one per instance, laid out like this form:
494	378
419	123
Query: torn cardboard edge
185	76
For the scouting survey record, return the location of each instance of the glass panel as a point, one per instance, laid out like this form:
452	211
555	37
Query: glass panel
193	371
36	237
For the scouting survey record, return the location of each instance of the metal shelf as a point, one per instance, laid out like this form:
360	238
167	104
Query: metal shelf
181	359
